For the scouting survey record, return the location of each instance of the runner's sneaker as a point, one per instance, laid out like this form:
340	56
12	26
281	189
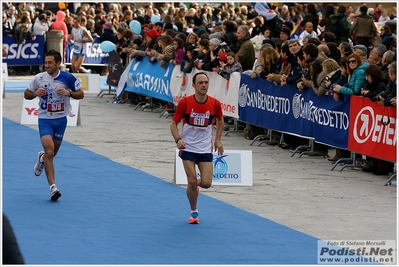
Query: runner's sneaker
193	218
54	193
38	169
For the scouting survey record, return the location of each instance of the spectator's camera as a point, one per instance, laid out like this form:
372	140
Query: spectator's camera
306	74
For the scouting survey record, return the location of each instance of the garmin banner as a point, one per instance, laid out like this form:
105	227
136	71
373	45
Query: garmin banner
288	110
28	54
94	53
372	129
149	79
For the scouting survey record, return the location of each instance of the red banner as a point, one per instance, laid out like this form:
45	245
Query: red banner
372	129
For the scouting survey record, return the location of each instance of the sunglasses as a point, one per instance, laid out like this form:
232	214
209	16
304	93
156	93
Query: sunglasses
351	61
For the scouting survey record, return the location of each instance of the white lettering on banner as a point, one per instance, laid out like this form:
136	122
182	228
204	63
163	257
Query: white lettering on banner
151	83
16	51
322	116
270	103
94	50
381	129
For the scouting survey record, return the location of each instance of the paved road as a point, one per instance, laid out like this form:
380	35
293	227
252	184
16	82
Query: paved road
302	194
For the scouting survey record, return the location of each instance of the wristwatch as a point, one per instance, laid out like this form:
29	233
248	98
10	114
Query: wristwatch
70	93
177	140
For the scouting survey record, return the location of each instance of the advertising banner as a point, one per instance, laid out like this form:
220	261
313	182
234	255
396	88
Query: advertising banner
288	110
28	54
226	91
30	111
373	129
149	79
233	168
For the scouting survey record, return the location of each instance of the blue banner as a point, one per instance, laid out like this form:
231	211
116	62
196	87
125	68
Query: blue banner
30	53
286	109
94	54
149	79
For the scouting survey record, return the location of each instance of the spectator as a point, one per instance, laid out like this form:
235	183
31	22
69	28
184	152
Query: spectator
345	50
11	15
311	16
340	25
228	65
210	59
375	83
393	15
361	50
295	73
257	41
375	58
386	36
166	55
363	28
192	38
387	59
356	76
269	58
246	52
325	22
186	66
178	53
308	31
317	78
286	61
388	97
8	28
108	33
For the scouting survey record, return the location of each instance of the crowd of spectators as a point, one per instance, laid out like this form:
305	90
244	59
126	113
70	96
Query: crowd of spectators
332	50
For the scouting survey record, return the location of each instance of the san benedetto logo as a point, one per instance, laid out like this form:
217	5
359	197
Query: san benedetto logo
296	105
242	95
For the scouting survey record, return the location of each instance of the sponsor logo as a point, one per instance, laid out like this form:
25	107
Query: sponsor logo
22	51
220	169
375	127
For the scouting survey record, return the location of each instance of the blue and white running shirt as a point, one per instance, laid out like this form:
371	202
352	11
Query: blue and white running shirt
53	105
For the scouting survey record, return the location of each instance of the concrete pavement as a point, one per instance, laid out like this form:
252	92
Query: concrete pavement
302	194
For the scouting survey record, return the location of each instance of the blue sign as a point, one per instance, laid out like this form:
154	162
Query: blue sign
94	54
149	79
289	110
30	53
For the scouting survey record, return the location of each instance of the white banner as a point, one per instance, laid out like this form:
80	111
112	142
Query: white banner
233	168
30	111
226	91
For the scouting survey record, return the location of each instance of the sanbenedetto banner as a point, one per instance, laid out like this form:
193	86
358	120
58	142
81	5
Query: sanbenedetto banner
289	110
226	91
372	129
234	168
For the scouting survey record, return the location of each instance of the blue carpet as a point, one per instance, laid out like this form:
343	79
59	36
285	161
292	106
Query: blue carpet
20	86
110	213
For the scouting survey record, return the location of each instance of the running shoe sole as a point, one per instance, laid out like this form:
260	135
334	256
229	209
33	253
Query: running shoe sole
56	195
193	221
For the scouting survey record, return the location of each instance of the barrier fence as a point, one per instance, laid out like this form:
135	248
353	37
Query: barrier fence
356	123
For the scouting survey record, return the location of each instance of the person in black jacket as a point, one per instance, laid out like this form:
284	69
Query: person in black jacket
375	83
108	33
11	252
311	16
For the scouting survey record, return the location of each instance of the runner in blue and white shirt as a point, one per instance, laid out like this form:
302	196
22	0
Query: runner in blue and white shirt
54	89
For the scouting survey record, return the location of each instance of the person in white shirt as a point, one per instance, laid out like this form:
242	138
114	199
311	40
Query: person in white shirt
308	31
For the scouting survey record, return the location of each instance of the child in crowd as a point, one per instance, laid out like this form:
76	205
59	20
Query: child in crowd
186	66
178	51
228	65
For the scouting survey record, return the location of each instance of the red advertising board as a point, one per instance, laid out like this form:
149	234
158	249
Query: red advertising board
372	129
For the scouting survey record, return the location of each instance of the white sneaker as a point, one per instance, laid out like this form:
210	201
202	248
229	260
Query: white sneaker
54	193
181	75
38	169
